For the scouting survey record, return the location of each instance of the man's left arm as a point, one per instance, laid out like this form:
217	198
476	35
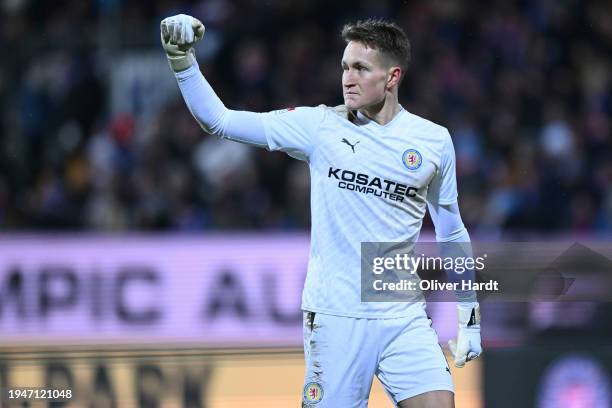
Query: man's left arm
454	241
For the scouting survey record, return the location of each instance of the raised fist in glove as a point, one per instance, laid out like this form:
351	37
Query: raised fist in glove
178	35
467	346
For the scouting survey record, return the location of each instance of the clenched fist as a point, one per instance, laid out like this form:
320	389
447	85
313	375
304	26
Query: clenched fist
178	35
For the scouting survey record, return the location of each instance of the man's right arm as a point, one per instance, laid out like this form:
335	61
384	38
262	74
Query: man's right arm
289	131
213	116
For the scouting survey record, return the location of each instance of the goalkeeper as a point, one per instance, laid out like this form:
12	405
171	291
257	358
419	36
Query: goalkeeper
408	164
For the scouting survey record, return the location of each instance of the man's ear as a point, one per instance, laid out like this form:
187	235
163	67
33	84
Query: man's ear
393	77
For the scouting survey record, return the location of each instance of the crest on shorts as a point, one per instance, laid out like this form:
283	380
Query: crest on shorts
412	159
313	393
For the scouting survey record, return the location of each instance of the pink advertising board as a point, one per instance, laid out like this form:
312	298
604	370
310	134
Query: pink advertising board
217	290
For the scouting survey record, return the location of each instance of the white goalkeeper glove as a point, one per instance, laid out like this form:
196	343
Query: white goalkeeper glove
178	35
467	347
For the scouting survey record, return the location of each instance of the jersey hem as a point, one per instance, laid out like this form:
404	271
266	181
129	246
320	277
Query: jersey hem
408	313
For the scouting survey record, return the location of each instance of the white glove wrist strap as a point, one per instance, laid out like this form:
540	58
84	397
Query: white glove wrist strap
181	63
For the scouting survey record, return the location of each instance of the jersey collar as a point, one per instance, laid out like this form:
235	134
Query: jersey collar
363	119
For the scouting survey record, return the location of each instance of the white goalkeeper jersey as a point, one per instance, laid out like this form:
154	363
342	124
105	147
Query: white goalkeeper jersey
369	183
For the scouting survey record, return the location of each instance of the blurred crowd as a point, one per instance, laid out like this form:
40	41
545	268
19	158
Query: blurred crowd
95	136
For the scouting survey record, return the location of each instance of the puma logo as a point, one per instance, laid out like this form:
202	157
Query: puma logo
350	144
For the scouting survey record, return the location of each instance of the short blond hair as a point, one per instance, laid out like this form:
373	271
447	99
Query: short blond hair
385	36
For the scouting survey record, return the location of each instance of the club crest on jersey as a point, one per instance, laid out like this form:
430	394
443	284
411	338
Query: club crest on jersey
313	393
412	159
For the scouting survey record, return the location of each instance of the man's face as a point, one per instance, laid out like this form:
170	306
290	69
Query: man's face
364	76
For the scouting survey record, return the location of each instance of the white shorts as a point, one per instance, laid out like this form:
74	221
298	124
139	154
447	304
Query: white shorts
343	354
